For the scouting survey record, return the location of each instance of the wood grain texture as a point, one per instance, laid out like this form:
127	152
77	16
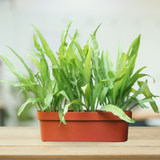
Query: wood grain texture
24	143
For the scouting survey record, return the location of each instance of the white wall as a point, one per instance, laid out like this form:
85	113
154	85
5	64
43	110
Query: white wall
121	19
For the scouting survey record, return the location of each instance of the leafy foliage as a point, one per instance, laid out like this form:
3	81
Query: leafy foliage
84	77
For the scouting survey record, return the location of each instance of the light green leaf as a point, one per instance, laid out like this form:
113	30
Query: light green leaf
133	50
36	44
117	84
94	45
86	49
87	67
48	100
106	62
46	47
117	111
63	36
65	33
20	84
103	94
119	55
72	45
27	68
36	53
64	94
147	93
81	53
142	85
78	62
61	116
121	64
63	112
70	105
96	95
87	94
19	75
140	102
96	29
29	100
36	62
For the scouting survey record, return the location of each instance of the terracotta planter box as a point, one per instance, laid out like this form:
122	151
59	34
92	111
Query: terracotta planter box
83	127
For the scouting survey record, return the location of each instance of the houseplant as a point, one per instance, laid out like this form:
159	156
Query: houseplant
86	79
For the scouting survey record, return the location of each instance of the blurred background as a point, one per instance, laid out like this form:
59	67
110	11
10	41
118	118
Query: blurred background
121	20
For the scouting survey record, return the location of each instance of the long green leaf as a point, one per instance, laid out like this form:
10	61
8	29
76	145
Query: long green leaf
19	75
46	47
106	62
96	29
19	84
147	93
29	100
119	55
133	49
36	53
126	78
23	62
121	64
72	45
36	44
117	111
94	45
141	89
78	62
97	89
61	116
140	102
69	25
87	67
103	94
87	94
81	53
47	101
117	85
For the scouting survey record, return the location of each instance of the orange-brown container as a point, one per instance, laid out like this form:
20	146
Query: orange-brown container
83	127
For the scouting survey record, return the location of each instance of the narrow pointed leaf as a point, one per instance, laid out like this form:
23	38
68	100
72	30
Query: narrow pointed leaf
29	100
96	29
103	94
87	67
46	47
120	51
87	94
94	45
81	53
23	62
147	93
19	75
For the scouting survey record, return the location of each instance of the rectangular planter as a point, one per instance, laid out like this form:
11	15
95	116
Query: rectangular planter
83	127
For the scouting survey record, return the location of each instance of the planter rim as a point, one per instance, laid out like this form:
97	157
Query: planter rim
81	116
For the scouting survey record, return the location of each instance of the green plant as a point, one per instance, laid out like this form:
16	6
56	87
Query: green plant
46	94
82	76
97	84
118	86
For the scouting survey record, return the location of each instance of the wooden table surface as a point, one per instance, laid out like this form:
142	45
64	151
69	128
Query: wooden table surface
24	143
